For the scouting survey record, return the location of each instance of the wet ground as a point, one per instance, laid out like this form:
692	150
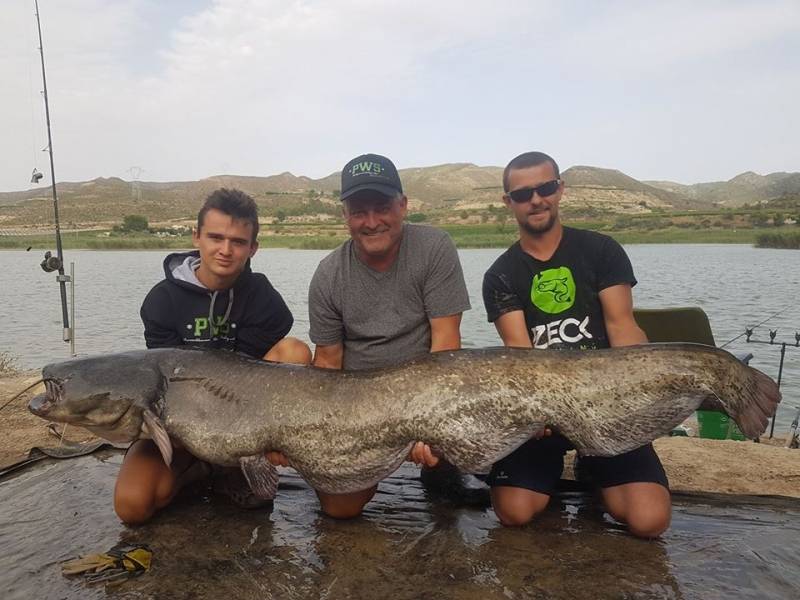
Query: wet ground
409	544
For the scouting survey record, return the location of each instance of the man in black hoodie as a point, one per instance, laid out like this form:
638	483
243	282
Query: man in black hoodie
210	299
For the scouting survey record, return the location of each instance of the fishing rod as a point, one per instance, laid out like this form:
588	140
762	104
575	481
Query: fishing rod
772	316
53	263
773	333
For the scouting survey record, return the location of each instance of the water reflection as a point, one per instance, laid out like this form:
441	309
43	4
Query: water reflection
407	545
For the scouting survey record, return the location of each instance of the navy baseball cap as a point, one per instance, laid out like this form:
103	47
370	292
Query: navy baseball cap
370	172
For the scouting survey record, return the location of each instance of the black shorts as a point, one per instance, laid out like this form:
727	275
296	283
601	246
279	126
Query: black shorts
537	466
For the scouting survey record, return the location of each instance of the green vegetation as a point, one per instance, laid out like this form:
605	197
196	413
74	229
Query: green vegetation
134	223
96	240
483	235
310	205
778	240
686	236
480	235
297	227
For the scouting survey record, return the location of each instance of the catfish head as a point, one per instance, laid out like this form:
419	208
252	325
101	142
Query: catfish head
116	397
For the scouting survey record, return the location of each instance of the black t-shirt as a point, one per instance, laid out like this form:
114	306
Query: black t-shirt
560	296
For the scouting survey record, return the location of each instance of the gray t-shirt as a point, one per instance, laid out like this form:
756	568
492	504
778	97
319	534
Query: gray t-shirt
382	318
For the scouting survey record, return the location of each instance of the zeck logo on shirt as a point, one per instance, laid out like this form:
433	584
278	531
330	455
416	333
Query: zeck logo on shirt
569	330
553	290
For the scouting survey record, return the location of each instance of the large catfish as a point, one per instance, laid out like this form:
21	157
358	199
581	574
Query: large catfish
346	430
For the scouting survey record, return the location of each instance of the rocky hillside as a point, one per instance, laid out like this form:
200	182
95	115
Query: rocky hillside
747	188
449	187
609	190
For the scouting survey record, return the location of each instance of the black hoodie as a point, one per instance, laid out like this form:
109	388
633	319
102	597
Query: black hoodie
250	317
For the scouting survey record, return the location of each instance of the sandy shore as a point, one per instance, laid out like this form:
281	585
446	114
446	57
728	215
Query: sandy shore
692	464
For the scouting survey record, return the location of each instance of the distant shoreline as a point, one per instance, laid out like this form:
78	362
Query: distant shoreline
484	235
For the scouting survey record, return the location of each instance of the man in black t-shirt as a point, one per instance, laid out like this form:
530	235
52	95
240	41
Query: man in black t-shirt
559	287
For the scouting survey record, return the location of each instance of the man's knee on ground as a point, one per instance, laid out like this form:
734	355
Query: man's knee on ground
134	505
135	500
646	508
649	522
342	508
515	507
290	350
345	506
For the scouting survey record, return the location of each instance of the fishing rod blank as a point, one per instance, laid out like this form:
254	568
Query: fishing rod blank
53	263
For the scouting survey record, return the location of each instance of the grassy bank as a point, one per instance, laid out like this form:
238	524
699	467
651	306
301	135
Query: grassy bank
778	240
93	240
484	235
492	236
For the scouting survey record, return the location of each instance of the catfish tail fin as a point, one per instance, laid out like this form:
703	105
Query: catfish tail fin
759	401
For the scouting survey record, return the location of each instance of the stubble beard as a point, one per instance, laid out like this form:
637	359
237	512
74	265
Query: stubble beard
538	229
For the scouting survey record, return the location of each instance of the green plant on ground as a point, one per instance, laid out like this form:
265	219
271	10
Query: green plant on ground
135	223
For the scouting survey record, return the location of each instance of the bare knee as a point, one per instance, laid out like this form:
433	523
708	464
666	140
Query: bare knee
133	506
144	483
516	516
338	510
345	506
646	508
290	350
516	506
649	523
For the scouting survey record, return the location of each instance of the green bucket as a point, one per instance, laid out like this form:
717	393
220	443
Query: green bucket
718	426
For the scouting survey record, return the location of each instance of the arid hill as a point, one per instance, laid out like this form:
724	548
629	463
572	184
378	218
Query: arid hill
448	187
746	188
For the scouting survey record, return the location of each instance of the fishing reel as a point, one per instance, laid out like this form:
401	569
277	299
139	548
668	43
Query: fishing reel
50	263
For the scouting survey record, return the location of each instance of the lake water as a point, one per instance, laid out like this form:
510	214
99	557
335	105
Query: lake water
736	285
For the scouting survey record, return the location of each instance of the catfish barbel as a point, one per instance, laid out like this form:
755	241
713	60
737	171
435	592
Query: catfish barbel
344	431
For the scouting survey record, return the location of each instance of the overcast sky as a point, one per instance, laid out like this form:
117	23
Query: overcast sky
684	91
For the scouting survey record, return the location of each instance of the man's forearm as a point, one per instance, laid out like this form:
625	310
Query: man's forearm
446	333
329	357
626	336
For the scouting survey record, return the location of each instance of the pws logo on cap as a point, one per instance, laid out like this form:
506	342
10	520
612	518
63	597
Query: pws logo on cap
370	172
366	168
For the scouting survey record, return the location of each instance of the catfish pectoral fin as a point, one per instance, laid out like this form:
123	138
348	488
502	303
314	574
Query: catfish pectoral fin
155	428
478	455
261	475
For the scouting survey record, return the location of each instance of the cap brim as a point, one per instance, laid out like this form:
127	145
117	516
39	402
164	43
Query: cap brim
386	190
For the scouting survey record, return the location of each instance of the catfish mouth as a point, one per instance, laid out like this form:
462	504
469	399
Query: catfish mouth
53	405
42	404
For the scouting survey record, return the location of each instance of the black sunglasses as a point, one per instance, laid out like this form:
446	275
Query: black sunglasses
525	194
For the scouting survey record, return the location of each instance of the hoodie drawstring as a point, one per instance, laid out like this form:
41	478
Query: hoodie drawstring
211	311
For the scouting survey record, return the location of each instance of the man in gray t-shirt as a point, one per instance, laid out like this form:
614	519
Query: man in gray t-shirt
392	292
381	318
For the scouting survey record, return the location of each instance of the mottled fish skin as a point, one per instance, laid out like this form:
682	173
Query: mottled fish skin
346	430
